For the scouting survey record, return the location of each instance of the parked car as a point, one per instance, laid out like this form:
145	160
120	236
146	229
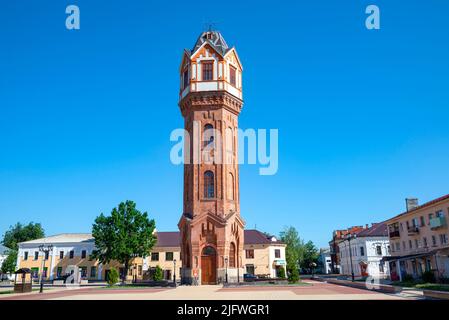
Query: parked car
249	277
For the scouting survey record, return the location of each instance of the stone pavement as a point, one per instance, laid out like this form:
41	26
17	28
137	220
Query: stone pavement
313	291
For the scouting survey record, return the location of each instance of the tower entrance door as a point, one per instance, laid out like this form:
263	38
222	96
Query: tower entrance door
208	266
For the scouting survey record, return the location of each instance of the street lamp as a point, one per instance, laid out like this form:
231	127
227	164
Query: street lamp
46	251
312	266
350	237
226	268
174	271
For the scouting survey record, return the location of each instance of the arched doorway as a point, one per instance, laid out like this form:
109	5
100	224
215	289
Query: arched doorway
208	265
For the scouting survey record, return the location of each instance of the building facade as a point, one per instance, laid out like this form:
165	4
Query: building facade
337	237
263	257
325	261
419	240
366	250
210	100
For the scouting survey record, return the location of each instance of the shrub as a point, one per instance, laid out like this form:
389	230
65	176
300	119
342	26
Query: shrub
157	276
113	277
293	275
428	276
281	273
407	278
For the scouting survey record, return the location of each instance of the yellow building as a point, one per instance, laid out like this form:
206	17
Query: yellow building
419	240
263	256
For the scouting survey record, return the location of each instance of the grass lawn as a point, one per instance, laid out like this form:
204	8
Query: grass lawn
12	291
427	286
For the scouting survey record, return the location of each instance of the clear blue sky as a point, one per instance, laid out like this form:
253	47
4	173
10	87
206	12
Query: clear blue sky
85	116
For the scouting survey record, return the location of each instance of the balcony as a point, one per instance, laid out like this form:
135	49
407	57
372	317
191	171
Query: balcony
438	222
413	230
394	234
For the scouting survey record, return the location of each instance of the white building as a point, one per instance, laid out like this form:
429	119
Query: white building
325	261
3	256
366	248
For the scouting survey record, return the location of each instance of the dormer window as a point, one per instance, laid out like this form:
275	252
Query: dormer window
208	70
232	73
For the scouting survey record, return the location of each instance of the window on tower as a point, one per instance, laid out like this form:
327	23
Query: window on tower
208	70
232	72
209	184
208	136
186	78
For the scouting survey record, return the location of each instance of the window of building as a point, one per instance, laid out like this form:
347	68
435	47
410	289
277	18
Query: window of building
443	239
439	214
185	78
388	249
61	254
381	267
402	226
59	272
249	254
423	222
403	245
232	258
398	247
139	270
25	255
46	255
416	243
250	269
362	251
83	271
425	242
232	75
83	254
36	255
154	256
434	241
379	249
209	184
430	217
169	256
410	245
408	224
208	135
71	254
93	272
34	272
277	253
208	73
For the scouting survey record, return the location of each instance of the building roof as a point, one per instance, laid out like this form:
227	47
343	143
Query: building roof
376	230
215	39
63	238
427	204
164	239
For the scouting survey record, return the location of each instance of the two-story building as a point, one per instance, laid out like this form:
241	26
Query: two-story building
419	240
263	256
362	252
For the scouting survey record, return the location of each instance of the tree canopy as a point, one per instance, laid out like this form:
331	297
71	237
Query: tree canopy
125	234
20	233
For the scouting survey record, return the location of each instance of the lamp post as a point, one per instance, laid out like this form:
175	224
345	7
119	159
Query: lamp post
174	272
46	251
226	268
313	266
350	237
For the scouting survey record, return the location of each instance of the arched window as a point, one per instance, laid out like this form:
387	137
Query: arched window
208	135
232	255
209	191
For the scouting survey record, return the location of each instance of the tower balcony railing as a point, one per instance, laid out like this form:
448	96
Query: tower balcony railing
394	234
438	222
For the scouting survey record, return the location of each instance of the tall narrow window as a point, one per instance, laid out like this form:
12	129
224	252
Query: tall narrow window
186	78
209	191
230	187
208	73
232	73
208	135
232	255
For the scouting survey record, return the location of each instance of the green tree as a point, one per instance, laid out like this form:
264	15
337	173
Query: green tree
113	276
158	275
125	234
11	239
292	252
20	233
309	255
9	265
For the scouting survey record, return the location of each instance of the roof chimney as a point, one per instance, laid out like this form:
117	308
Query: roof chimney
411	203
366	226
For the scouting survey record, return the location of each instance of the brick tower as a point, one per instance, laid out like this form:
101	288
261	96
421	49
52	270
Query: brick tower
210	100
